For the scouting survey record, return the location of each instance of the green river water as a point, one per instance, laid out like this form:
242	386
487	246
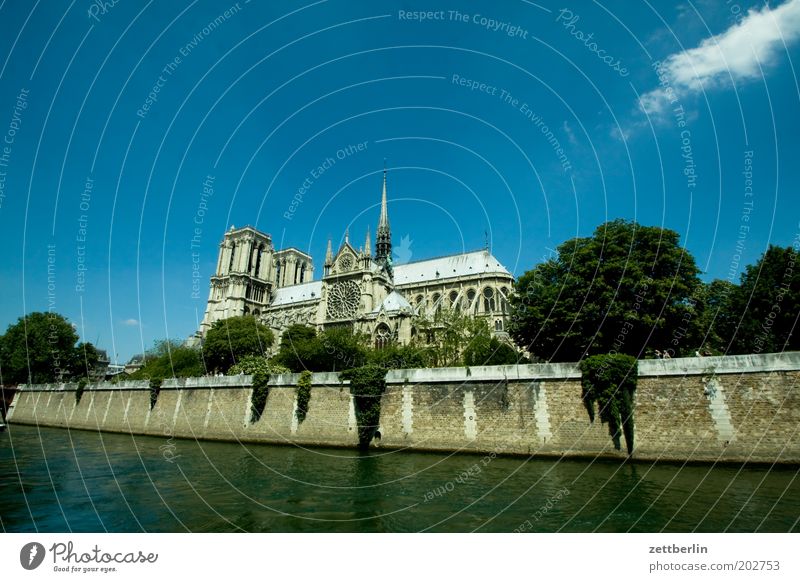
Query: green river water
56	480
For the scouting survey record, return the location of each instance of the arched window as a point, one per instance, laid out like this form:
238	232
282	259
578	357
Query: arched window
453	297
246	310
504	299
437	305
383	336
233	254
259	251
488	300
278	273
471	300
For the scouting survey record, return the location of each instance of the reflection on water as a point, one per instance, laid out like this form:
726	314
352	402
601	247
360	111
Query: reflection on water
60	480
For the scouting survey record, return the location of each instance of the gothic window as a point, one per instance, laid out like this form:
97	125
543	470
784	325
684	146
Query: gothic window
419	300
233	254
488	300
277	273
504	299
343	300
436	302
303	273
246	310
345	263
383	336
498	325
471	300
259	252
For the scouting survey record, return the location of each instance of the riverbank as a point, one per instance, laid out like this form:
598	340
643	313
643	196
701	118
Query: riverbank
733	409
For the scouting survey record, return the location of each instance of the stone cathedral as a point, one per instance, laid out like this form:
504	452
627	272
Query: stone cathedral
359	289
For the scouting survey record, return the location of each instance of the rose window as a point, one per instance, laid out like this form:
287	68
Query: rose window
346	263
343	300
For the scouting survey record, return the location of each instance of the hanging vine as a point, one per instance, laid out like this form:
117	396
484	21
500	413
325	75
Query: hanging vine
79	391
367	385
303	395
610	381
258	400
155	389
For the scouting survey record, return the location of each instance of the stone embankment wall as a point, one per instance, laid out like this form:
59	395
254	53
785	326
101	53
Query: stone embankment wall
732	408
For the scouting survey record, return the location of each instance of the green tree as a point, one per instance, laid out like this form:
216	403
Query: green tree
716	319
41	347
299	346
170	359
256	364
621	290
393	357
448	334
765	306
230	339
490	352
339	349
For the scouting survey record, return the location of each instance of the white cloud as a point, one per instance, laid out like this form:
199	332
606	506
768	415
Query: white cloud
570	134
737	54
131	322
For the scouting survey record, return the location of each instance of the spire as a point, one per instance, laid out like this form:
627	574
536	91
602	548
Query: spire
347	235
367	245
383	238
384	219
329	253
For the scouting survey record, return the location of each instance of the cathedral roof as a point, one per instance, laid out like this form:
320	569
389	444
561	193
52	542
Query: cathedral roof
462	265
297	293
393	302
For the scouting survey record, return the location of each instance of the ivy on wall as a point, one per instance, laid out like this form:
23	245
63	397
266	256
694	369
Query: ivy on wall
79	391
155	389
367	385
303	395
258	400
609	380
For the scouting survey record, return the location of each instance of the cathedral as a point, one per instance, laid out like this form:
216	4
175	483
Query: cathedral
364	291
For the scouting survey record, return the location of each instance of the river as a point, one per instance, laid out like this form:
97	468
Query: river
57	480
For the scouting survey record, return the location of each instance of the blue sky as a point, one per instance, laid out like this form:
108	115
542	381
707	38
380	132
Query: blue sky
534	122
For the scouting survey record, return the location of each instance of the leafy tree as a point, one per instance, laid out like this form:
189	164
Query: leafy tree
41	347
170	359
621	290
394	357
332	350
339	349
230	339
255	364
298	347
490	352
716	319
765	306
447	334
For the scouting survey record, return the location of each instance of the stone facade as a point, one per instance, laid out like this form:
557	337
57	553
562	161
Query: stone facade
365	292
737	409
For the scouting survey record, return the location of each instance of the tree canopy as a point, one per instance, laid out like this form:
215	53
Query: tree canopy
43	347
624	289
764	307
229	340
170	359
332	350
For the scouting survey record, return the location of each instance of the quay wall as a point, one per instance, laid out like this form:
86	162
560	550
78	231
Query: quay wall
726	409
